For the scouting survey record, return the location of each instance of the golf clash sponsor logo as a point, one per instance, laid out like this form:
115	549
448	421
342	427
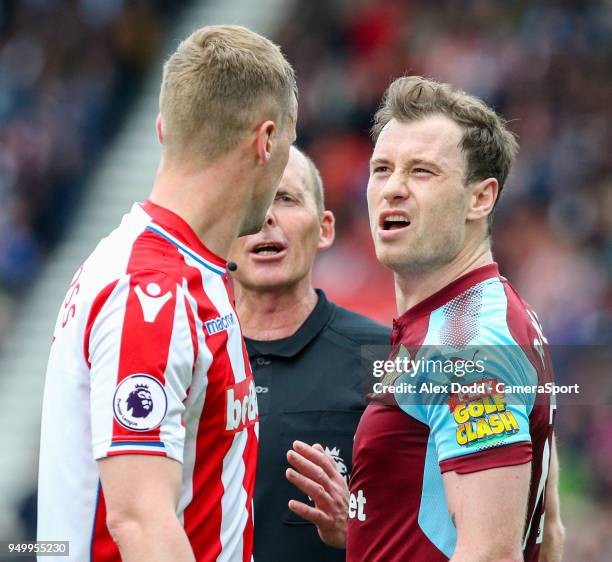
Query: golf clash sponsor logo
482	419
140	402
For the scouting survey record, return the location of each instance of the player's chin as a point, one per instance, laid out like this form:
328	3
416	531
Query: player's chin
273	280
395	259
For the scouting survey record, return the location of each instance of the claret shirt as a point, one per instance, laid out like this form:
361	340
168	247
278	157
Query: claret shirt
405	441
148	359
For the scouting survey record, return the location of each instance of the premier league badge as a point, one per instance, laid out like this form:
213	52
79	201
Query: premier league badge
140	403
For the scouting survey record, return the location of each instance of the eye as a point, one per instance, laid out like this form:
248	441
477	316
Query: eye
284	198
381	169
421	171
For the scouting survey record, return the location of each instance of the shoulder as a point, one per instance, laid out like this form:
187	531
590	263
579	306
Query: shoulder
505	317
490	312
357	328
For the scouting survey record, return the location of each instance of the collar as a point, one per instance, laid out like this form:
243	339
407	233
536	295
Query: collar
291	346
446	294
180	229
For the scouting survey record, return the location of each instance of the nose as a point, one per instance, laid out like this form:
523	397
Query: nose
395	187
270	218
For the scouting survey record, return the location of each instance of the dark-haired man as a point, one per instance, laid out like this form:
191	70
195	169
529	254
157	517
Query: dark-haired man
440	474
305	353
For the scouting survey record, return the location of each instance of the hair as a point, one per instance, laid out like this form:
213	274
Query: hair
316	183
490	148
218	81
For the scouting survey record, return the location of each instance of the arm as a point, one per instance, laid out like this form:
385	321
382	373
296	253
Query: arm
554	531
139	456
141	493
316	475
489	508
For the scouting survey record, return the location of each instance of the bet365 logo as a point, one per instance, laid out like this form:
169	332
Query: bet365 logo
240	406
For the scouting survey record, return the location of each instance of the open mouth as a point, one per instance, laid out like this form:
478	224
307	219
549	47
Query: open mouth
394	222
268	249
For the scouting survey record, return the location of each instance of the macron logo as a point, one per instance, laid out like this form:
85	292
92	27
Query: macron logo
220	323
151	301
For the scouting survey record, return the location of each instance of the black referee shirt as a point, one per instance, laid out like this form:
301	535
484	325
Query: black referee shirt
308	388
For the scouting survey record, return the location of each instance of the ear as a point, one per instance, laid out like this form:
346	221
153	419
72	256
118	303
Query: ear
158	128
327	230
263	141
482	200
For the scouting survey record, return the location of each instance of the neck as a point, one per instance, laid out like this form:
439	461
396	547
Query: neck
267	315
210	200
413	287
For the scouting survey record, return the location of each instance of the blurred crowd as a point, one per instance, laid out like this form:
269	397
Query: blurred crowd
545	66
68	69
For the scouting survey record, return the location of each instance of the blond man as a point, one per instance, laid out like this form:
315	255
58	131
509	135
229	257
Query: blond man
150	420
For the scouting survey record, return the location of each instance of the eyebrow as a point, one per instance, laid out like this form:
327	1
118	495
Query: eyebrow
284	191
411	162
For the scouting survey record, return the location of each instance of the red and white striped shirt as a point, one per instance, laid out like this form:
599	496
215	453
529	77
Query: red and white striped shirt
148	358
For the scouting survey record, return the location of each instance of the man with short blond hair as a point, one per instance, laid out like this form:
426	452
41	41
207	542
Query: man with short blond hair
438	473
206	109
150	421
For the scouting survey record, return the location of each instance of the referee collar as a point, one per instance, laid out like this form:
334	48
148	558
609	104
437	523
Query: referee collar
291	346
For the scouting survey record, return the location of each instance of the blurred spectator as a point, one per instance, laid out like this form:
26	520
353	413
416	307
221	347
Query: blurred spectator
544	66
68	69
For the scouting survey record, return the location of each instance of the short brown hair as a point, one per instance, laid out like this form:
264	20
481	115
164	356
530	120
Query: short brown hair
214	85
490	148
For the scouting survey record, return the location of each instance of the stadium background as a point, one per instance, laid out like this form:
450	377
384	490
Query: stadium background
77	75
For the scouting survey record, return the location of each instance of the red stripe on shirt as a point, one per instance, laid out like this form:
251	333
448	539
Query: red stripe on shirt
249	457
145	345
103	547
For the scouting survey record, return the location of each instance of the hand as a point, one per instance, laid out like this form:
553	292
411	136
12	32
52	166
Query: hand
553	540
317	476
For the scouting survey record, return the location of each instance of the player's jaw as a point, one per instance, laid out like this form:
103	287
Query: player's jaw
419	239
396	237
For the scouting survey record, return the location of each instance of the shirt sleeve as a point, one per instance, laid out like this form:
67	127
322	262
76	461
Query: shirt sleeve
476	425
141	350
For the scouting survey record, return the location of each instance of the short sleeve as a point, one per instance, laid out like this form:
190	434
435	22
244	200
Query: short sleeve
140	348
474	424
487	428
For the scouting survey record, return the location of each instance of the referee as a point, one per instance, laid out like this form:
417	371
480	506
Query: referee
306	357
